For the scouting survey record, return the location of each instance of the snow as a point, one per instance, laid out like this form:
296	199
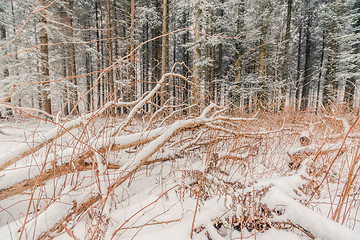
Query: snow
274	234
132	138
297	213
150	149
22	148
160	200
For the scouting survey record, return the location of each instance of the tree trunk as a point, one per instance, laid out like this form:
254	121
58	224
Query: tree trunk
195	88
110	50
14	50
220	93
296	93
146	62
6	72
65	88
307	69
98	48
330	88
212	87
205	81
285	81
356	49
132	90
320	80
88	60
74	92
164	50
239	52
116	45
185	68
44	50
262	68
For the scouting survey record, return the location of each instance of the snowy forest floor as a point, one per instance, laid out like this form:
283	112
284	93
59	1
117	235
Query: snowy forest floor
210	176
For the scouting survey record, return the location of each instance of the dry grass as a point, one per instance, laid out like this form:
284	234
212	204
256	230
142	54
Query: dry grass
215	156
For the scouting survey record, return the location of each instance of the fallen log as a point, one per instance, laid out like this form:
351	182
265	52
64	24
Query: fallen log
140	160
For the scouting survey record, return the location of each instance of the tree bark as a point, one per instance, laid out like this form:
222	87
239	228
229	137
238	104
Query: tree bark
285	82
239	52
262	67
164	50
320	80
132	90
356	49
89	81
110	49
6	72
73	92
98	49
307	69
330	88
44	51
65	88
185	68
195	88
116	49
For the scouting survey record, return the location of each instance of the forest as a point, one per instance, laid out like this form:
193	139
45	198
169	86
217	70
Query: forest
180	119
254	54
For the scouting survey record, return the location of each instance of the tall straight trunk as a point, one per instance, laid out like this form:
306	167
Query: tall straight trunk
212	79
64	63
330	88
356	50
104	90
132	91
206	77
186	57
156	61
164	49
74	92
39	87
90	96
296	93
350	91
44	50
222	92
110	49
175	89
308	58
15	47
320	80
65	88
98	49
239	50
145	62
3	37
195	88
6	72
155	56
262	70
262	67
284	78
116	47
213	65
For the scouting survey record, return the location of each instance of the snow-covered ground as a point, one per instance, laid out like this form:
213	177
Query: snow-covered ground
199	178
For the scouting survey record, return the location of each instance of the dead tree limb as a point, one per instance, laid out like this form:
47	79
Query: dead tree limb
25	150
141	159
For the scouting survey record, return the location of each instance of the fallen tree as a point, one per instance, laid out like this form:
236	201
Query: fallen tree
91	177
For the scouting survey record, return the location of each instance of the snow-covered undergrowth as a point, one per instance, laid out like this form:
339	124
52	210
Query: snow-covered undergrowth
210	176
